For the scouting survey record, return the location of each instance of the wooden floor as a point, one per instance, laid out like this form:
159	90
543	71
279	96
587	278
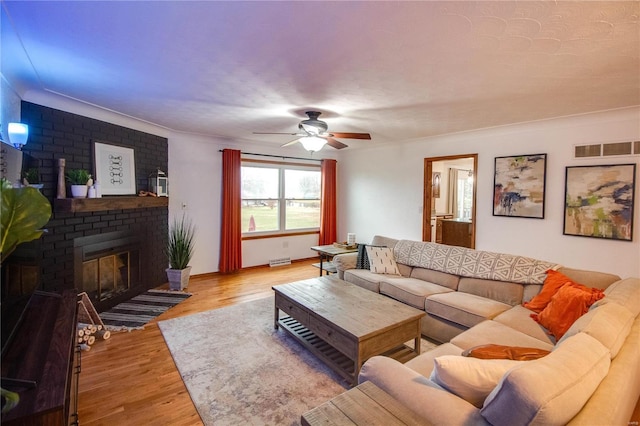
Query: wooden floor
131	379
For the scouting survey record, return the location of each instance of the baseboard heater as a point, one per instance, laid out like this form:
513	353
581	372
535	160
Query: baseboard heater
279	262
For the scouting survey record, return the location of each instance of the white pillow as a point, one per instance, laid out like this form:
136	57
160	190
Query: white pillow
472	379
552	389
381	261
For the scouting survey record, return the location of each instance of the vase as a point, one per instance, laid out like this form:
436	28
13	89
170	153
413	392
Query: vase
79	191
178	278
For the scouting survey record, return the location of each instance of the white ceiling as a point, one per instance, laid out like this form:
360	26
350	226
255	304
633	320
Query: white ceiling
398	70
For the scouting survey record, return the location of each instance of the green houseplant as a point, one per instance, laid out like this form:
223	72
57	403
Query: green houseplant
78	178
23	212
179	252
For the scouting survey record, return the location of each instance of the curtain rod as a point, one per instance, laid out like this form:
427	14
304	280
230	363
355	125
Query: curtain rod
277	156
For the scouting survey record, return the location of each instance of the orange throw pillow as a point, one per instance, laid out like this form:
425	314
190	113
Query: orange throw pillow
566	306
551	285
516	353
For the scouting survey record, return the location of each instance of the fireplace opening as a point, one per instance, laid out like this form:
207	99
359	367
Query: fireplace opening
107	265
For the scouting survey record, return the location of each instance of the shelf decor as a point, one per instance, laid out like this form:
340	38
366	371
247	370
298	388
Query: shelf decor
599	201
519	186
115	169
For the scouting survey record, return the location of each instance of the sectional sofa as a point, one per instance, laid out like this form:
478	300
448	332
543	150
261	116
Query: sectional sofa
472	298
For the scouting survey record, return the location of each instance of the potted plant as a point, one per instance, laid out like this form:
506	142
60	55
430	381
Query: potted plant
179	252
78	178
23	213
31	177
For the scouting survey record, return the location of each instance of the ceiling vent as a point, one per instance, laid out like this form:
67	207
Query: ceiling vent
612	149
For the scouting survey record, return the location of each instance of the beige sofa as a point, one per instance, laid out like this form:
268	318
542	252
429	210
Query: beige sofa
472	298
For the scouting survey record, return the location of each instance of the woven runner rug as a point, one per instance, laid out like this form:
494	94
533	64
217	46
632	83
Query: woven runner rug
135	313
239	370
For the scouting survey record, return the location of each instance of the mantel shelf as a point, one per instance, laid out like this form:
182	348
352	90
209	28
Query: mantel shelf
82	205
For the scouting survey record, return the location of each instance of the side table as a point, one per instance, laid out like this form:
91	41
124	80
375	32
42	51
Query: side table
366	404
326	254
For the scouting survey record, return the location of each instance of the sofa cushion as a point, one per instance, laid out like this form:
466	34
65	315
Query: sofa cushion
519	318
472	379
594	279
441	278
497	333
609	324
423	364
382	241
502	291
549	390
463	308
566	306
382	261
411	291
623	292
363	278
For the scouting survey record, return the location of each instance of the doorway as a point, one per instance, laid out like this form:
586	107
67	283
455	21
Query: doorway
457	172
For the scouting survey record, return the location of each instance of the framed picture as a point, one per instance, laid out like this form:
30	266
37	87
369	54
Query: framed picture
599	201
435	182
519	186
115	169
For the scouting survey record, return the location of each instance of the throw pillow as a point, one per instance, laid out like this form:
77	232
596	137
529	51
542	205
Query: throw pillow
362	262
551	285
516	353
471	379
381	260
566	306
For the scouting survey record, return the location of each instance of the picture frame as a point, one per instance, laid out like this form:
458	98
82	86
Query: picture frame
599	201
114	168
519	186
435	183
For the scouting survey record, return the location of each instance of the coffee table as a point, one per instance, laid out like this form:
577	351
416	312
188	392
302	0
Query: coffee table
344	325
366	404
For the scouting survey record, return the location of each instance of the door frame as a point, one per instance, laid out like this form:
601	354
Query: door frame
428	182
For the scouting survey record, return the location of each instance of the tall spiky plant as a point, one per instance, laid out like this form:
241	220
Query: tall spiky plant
181	241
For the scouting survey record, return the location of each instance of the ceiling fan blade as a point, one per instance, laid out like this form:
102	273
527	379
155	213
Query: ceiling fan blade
344	135
290	143
271	133
335	143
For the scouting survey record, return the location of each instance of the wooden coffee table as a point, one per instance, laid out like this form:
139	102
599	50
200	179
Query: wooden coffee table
344	325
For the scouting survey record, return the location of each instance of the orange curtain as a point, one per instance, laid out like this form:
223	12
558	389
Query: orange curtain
231	232
328	226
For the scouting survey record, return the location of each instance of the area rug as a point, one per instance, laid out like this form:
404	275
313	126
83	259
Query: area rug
239	370
135	313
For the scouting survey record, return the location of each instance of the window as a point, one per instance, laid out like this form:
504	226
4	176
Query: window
279	198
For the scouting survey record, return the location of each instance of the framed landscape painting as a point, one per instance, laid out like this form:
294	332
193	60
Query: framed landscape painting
519	186
115	169
599	201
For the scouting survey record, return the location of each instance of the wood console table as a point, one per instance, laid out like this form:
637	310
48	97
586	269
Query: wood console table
41	362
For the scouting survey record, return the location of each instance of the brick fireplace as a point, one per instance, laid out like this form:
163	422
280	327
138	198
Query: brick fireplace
74	238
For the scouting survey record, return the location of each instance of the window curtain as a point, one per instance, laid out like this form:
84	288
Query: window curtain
328	203
231	232
452	202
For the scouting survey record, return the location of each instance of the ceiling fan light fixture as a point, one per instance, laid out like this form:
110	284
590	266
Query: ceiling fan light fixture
312	143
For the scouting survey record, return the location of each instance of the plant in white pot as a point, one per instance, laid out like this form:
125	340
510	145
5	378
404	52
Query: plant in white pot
179	252
79	179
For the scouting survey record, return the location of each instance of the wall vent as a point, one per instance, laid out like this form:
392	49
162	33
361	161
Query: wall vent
612	149
279	262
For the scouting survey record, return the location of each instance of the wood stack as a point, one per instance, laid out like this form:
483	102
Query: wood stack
90	325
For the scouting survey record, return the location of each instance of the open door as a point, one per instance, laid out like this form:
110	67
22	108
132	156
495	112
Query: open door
434	186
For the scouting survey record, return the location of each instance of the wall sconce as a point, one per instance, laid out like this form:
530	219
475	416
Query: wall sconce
313	143
18	134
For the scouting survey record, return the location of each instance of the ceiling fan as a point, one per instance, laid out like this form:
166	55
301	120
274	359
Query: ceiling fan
313	134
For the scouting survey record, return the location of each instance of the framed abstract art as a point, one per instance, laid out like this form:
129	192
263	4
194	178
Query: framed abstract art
115	169
599	201
519	186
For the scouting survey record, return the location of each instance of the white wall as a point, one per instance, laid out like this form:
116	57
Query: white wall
381	189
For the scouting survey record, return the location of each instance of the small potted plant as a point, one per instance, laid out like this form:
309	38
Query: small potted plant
78	178
179	252
31	177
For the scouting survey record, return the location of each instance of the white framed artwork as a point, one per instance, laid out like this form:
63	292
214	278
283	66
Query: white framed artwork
115	169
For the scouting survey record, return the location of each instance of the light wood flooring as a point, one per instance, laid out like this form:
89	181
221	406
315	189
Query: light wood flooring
131	378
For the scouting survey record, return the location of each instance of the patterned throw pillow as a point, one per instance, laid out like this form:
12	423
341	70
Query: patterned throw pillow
363	260
381	261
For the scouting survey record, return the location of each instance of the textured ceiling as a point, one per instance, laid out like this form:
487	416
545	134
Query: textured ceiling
398	70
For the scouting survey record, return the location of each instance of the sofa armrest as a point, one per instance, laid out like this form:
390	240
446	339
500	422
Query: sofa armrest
418	393
344	262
